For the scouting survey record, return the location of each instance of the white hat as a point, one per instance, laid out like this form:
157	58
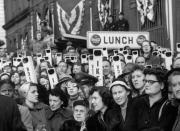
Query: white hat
119	82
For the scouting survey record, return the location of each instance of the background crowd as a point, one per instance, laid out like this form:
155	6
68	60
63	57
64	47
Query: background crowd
144	97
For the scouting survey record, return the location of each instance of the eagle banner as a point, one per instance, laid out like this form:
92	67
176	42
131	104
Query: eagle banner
70	23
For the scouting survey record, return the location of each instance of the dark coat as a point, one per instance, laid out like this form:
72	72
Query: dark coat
112	121
128	113
122	25
109	26
176	126
57	118
159	117
10	119
40	115
71	125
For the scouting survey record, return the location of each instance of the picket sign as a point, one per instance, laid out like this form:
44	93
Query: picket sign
84	59
91	65
53	79
98	66
29	69
49	55
117	66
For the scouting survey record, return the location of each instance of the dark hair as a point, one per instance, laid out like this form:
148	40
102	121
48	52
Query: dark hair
136	68
62	96
158	72
104	93
4	74
2	82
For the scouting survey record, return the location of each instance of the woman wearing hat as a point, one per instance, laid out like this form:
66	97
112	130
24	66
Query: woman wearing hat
37	109
105	118
121	94
80	115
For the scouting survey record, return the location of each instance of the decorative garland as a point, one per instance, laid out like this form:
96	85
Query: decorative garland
104	11
71	24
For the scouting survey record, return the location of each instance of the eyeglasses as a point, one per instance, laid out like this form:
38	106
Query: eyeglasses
150	81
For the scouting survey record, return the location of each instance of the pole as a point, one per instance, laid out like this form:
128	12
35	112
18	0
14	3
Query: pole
171	23
120	5
90	3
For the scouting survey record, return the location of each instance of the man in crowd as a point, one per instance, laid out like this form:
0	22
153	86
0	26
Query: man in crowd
122	24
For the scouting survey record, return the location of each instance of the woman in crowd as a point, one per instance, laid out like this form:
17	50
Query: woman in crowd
105	119
38	110
121	94
58	102
137	81
7	89
147	111
73	92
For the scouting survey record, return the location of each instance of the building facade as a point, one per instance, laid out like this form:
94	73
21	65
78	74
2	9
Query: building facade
23	18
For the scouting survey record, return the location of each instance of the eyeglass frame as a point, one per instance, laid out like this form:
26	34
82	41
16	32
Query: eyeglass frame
151	82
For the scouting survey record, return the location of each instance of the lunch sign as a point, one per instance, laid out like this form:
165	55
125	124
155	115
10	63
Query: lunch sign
115	39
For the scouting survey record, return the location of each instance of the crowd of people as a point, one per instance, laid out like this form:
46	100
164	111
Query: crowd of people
145	97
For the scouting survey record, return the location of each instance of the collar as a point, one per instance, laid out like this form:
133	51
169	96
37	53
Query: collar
156	103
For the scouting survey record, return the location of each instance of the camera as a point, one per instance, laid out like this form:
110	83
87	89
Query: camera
83	56
58	54
41	60
155	53
148	66
168	54
135	52
116	58
46	58
129	57
48	51
18	60
14	59
90	57
115	52
51	71
125	52
97	53
178	47
25	60
39	55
